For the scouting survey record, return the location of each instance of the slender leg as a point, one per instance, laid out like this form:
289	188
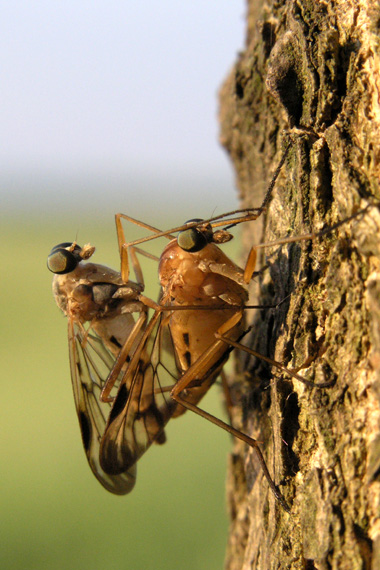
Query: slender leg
275	363
232	218
197	371
249	440
122	358
125	248
227	395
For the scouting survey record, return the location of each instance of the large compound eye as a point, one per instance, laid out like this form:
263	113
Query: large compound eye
63	260
196	238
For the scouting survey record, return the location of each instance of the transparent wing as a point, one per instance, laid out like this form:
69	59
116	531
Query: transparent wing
90	363
143	404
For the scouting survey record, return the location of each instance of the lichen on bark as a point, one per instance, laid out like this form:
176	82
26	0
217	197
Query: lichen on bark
310	71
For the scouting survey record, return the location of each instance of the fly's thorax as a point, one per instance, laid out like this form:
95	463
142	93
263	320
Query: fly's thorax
94	291
96	273
201	277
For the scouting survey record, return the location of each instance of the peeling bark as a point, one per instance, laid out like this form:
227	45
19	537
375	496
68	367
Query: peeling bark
310	70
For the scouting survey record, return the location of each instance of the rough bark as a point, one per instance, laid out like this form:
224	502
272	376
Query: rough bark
310	70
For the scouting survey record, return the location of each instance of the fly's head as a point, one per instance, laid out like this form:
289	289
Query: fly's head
83	291
196	237
65	257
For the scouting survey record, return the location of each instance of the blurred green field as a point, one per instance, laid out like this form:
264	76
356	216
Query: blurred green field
54	514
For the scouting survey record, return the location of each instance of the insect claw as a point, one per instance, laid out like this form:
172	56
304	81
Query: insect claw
280	498
282	301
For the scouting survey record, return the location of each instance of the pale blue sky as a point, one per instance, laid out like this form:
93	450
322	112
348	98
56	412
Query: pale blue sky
115	102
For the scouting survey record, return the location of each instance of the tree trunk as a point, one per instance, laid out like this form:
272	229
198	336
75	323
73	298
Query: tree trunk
310	71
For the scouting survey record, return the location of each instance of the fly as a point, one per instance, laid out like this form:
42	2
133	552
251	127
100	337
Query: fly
203	293
100	309
201	315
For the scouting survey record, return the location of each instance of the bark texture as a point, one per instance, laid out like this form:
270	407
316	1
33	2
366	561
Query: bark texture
310	70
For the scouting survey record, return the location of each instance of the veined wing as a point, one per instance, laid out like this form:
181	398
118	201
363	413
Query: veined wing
143	404
90	363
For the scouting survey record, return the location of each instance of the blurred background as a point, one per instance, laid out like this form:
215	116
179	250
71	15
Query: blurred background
105	107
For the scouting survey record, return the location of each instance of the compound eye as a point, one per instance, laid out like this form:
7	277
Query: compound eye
191	240
62	260
196	238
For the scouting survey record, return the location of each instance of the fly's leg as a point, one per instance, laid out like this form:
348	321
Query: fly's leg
227	395
126	249
252	256
129	247
272	362
243	437
254	213
141	224
232	218
122	357
315	235
194	374
247	276
201	368
135	264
